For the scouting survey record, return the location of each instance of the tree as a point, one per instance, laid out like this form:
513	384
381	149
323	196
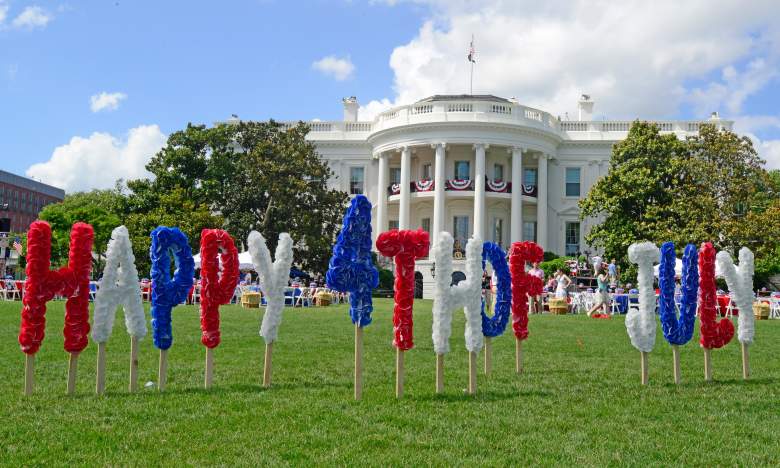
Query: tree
100	208
254	175
709	187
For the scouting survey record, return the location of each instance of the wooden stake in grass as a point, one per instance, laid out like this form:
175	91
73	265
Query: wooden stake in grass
645	368
209	368
439	373
162	374
488	355
518	355
29	374
269	348
745	361
358	361
100	384
73	364
133	364
708	364
676	358
472	390
399	373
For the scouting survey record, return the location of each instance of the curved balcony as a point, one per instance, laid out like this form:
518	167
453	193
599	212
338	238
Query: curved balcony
462	185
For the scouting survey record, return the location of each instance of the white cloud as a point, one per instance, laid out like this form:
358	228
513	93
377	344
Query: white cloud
734	88
32	17
338	68
106	101
3	12
99	160
768	149
636	58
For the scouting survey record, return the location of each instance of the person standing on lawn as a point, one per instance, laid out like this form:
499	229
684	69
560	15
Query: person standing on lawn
614	270
602	293
536	301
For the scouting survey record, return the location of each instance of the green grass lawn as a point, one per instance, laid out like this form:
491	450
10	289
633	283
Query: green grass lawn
579	401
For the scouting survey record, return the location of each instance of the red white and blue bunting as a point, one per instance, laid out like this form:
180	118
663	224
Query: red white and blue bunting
460	184
424	185
497	185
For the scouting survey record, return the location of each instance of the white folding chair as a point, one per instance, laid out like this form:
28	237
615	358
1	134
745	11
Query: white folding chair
3	293
614	307
196	294
12	292
774	308
288	299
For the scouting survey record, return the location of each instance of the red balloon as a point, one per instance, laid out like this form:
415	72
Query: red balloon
217	287
42	284
406	246
714	334
523	284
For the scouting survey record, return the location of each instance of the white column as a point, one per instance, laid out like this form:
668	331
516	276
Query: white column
381	199
403	209
438	192
479	191
516	229
541	203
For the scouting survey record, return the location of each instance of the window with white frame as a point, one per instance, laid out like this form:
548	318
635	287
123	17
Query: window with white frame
356	180
498	231
393	224
572	181
426	225
498	172
395	175
462	170
460	231
529	231
572	238
529	176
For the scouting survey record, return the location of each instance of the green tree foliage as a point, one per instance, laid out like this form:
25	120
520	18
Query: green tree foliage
100	208
709	187
253	175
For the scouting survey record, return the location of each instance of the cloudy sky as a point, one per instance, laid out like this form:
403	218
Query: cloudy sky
90	89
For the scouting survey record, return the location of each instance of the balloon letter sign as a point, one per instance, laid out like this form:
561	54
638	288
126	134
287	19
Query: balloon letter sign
523	285
640	322
273	279
167	293
352	270
119	286
447	298
217	287
714	334
678	331
495	325
406	246
71	281
740	283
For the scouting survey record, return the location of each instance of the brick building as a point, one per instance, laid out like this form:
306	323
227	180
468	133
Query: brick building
21	199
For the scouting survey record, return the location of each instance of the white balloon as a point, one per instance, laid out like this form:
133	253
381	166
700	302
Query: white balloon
641	321
273	279
466	294
119	286
740	283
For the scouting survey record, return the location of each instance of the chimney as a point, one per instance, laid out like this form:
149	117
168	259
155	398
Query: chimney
350	109
585	106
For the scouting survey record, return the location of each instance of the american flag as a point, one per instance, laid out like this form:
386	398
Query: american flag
18	246
472	54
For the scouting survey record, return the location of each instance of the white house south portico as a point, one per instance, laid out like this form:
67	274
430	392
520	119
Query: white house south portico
476	165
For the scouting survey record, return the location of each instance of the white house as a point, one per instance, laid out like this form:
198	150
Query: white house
476	164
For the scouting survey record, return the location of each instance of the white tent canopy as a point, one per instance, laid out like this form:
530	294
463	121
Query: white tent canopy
678	264
244	261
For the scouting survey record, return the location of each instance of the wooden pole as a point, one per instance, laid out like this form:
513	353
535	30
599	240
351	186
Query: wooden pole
269	348
518	355
162	375
488	355
100	384
133	364
29	374
745	361
472	390
358	361
645	374
439	373
676	356
399	373
209	368
73	364
708	364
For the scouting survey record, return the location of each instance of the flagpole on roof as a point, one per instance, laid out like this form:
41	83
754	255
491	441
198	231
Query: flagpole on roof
472	59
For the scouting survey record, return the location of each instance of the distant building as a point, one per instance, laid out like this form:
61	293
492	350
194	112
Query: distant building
21	199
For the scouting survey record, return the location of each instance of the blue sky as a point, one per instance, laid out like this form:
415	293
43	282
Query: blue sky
162	64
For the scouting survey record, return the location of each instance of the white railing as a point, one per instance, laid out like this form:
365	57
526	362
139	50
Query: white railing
500	109
460	107
423	109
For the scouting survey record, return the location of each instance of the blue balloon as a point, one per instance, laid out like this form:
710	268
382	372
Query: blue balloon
167	293
495	325
678	331
351	268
